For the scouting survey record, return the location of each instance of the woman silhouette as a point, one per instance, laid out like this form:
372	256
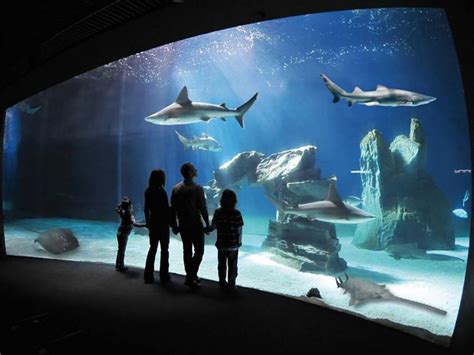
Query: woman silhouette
157	215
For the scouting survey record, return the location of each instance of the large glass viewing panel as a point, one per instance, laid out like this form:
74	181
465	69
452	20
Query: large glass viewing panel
344	135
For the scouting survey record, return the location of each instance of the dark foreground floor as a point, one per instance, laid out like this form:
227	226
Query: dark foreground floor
58	307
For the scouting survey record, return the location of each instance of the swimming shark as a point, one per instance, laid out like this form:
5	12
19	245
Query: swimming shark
204	142
382	96
332	209
411	251
362	291
185	111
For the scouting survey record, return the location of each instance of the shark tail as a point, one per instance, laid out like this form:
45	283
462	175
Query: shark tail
244	108
335	90
420	305
183	140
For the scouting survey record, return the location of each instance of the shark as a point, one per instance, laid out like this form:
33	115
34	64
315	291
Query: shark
185	111
332	209
362	291
381	96
411	251
204	142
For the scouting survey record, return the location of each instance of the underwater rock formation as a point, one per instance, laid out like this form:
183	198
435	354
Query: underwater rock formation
399	191
291	176
58	240
287	164
310	246
240	169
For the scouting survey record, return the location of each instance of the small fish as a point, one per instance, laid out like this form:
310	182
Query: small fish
459	171
466	197
459	212
360	171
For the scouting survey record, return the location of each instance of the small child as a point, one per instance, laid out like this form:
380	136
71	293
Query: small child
228	222
125	210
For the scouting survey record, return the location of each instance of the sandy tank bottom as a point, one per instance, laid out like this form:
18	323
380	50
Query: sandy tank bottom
437	283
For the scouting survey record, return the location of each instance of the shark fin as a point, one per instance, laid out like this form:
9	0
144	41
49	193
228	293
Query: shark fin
240	119
381	87
223	105
222	118
333	196
352	300
357	90
183	140
335	90
183	98
244	108
205	119
372	103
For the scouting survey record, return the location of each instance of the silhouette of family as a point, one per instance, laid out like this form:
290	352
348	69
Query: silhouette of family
187	215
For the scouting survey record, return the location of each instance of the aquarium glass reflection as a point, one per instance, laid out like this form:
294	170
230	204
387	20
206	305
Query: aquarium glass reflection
344	134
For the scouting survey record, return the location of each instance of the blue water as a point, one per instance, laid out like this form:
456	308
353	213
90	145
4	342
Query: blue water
409	49
89	144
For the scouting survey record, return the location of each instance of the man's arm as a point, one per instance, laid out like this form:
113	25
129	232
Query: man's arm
173	223
215	219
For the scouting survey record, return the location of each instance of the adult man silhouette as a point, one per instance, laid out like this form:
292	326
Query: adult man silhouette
188	205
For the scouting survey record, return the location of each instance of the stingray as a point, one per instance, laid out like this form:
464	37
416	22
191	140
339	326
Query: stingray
56	240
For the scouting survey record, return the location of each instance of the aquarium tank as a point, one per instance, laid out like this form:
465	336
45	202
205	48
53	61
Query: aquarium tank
344	135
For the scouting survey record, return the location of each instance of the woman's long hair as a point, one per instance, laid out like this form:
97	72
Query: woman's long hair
157	179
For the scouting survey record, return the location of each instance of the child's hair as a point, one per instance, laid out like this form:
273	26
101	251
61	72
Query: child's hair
228	199
126	203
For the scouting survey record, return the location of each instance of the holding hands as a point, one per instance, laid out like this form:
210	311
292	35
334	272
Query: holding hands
209	229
